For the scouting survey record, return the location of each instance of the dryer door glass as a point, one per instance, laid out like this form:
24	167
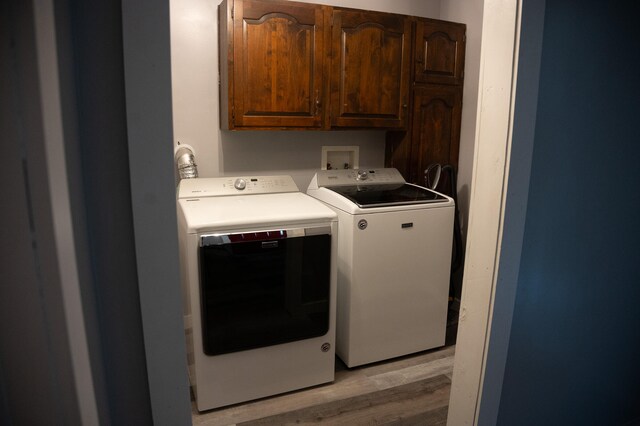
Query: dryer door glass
257	290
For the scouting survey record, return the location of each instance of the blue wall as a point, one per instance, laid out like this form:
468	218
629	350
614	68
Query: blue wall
574	349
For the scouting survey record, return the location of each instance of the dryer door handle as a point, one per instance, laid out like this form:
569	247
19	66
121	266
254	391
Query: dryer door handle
218	239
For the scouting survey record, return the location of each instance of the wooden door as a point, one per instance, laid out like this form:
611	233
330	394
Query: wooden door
370	69
278	64
435	129
439	52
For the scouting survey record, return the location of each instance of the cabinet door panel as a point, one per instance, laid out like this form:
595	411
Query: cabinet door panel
439	52
370	69
398	152
436	128
278	64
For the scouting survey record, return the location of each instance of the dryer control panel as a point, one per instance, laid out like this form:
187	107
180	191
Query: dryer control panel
236	185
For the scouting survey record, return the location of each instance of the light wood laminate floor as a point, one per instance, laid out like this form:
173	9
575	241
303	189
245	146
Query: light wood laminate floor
411	390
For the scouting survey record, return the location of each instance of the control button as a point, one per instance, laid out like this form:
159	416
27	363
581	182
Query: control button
362	175
240	184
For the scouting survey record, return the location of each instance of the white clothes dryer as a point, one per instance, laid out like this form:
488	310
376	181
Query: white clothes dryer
394	258
258	275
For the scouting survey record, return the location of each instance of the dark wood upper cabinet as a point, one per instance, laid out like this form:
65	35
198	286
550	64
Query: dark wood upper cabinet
435	133
439	52
273	64
293	65
370	69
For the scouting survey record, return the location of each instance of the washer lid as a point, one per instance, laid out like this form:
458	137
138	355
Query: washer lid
369	196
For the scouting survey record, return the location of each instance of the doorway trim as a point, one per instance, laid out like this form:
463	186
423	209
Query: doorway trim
500	185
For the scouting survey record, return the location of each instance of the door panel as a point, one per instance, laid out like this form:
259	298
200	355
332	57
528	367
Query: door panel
399	283
279	64
439	50
370	69
262	293
436	128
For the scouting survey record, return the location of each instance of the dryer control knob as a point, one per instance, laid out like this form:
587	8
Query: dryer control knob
240	184
362	175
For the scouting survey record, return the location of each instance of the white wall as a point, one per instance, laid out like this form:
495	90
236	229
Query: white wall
194	57
470	13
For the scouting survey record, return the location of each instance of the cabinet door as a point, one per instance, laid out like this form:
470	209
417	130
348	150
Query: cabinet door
439	51
369	69
435	136
278	64
398	152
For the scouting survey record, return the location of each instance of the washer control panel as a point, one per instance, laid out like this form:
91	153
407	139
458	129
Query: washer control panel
358	177
237	185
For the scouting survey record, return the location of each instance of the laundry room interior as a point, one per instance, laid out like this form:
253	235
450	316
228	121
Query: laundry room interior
196	100
199	124
113	307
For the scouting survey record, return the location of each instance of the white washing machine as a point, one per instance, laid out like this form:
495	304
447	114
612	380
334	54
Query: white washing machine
258	274
394	258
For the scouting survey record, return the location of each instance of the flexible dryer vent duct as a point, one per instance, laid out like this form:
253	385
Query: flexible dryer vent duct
185	161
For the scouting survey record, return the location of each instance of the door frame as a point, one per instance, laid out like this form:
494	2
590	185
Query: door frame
509	66
492	186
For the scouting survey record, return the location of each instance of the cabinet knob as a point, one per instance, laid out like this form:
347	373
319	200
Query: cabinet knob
405	106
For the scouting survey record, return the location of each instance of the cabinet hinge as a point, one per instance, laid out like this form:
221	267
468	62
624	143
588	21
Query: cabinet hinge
232	10
233	113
